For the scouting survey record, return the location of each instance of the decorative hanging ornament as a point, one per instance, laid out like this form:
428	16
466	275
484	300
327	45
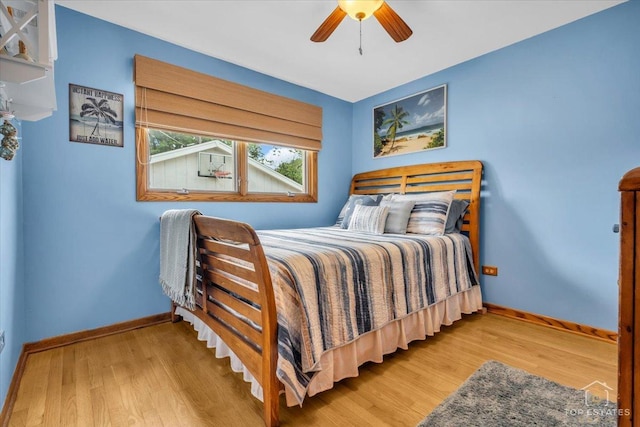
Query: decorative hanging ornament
9	144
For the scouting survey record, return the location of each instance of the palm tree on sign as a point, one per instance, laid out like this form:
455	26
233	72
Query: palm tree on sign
98	110
395	122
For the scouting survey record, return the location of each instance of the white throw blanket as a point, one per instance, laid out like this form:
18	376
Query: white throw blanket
178	256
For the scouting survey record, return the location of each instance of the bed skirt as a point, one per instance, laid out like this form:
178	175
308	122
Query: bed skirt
343	362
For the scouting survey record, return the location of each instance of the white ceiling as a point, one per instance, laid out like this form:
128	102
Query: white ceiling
272	36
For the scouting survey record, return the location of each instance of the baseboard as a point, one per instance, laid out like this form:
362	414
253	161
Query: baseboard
76	337
551	322
62	340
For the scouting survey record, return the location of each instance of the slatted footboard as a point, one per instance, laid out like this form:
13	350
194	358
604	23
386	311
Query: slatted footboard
235	299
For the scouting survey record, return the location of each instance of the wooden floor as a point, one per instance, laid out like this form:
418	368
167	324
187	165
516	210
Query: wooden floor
162	376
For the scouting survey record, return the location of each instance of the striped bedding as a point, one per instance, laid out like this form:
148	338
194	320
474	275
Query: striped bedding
332	285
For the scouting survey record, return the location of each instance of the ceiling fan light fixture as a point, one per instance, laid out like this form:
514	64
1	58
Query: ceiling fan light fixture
360	9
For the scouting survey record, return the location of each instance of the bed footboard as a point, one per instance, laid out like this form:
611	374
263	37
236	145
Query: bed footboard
234	297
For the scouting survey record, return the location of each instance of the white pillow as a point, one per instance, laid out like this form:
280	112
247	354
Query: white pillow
429	214
369	219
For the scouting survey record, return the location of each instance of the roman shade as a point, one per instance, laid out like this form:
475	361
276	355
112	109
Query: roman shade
177	99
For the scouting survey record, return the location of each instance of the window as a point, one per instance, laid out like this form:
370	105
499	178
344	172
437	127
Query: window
183	163
198	167
206	139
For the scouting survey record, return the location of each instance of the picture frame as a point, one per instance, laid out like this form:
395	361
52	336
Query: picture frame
412	124
95	116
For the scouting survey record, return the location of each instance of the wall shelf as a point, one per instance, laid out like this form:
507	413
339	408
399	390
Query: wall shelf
28	85
16	70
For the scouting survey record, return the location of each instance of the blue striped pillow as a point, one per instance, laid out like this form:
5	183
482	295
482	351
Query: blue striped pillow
369	219
455	217
356	199
429	214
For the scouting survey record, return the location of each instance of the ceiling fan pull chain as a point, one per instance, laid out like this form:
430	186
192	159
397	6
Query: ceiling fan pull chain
360	48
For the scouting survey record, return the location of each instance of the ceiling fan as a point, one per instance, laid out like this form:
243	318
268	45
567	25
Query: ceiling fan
361	10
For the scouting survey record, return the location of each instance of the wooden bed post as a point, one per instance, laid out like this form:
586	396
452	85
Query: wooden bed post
270	382
175	318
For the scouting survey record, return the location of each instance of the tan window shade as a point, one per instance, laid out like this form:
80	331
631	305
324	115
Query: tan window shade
175	98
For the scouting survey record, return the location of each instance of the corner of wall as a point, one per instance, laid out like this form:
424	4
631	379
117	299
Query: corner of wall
12	293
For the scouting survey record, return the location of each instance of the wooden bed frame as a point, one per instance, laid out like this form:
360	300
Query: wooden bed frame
235	296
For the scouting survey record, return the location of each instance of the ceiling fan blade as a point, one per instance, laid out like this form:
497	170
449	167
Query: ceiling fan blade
391	21
329	25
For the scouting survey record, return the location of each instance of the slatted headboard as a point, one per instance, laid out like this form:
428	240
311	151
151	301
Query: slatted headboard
465	177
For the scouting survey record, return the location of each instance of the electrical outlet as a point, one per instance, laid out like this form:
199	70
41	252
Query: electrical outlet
490	270
1	341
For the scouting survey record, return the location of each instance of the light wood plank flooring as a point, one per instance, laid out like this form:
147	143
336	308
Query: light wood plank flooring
163	376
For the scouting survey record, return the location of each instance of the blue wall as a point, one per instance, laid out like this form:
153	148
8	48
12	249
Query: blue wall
556	121
553	118
12	289
97	248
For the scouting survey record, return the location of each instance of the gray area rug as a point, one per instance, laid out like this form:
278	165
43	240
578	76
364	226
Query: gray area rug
498	395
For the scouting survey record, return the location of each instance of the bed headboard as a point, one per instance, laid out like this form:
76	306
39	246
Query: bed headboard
465	177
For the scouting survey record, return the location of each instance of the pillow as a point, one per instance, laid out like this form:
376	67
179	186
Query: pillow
355	199
398	217
369	219
455	218
429	214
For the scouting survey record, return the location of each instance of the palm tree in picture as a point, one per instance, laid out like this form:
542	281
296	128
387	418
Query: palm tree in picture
98	110
395	122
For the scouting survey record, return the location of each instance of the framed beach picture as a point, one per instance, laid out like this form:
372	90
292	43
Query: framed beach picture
95	116
408	125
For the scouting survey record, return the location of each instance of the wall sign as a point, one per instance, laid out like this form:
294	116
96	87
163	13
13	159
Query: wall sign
95	116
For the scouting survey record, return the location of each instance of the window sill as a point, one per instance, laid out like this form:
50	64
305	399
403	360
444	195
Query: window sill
174	196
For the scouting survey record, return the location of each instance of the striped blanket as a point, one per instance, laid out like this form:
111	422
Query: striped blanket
333	285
